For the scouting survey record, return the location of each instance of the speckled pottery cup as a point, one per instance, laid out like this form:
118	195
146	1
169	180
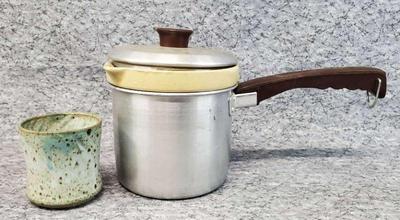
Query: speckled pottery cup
62	153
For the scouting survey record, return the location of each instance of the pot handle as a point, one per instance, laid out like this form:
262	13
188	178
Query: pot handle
372	80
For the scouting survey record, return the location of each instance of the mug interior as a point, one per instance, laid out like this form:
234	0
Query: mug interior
60	123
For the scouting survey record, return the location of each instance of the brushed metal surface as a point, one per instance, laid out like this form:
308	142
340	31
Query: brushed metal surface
172	57
171	145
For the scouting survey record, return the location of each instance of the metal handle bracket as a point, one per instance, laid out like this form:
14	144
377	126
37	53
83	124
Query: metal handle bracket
243	100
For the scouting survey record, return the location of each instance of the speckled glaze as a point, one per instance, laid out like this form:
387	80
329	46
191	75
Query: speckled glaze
62	154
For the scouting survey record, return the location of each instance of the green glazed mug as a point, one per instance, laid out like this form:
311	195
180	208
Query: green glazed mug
62	153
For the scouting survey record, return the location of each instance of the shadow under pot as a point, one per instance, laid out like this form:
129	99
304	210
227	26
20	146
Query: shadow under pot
62	153
172	110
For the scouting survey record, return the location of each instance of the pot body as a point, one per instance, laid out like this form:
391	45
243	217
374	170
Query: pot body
171	145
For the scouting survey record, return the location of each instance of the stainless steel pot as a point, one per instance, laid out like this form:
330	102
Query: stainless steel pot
172	145
175	145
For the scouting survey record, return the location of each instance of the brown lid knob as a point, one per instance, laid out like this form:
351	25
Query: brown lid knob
171	37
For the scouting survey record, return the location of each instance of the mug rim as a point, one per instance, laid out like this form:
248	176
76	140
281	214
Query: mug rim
92	115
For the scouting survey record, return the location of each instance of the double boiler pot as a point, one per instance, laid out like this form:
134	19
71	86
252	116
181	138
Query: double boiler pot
172	110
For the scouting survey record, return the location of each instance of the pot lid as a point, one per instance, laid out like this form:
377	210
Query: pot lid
172	52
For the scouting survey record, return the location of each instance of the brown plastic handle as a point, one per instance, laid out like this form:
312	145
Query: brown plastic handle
364	78
171	37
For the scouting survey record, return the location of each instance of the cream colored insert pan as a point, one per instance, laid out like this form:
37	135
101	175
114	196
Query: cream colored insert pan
162	79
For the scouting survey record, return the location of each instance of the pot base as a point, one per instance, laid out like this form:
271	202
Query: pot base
174	198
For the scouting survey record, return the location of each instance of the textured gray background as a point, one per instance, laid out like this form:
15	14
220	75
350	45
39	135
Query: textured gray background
303	154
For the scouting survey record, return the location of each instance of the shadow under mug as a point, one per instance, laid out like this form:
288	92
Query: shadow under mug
62	153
